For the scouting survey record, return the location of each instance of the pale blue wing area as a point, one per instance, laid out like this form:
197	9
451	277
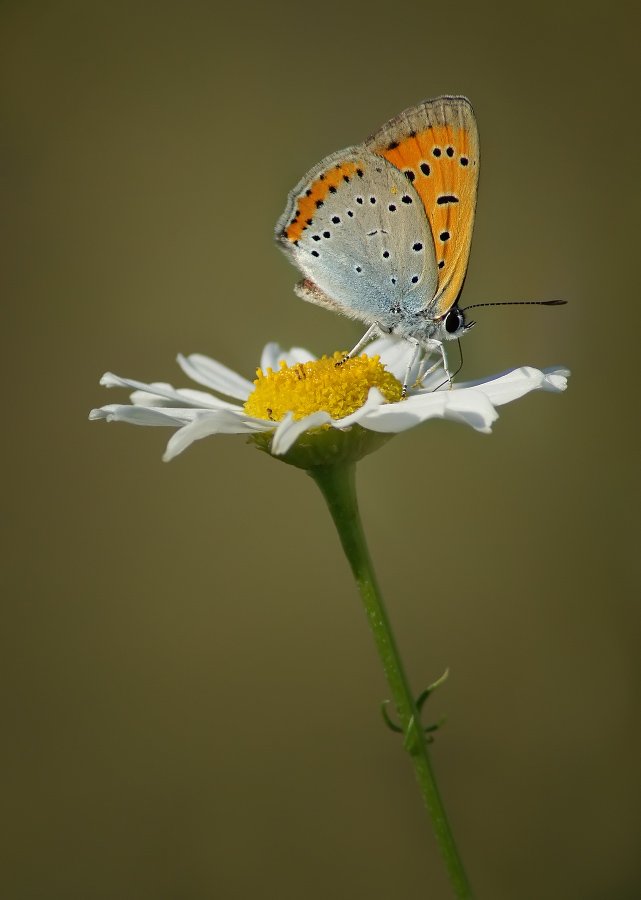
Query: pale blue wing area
368	245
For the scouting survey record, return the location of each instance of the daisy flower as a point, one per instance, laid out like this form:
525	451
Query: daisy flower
323	415
296	396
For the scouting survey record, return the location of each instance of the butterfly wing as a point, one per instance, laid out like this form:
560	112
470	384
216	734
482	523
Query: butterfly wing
436	145
357	230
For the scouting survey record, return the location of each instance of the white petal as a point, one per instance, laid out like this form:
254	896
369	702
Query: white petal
557	377
298	355
220	421
273	354
437	381
143	415
198	399
158	393
160	388
518	382
374	400
214	375
288	430
471	407
269	358
394	352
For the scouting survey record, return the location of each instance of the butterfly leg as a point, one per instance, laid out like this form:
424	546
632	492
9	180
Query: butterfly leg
372	332
412	362
432	346
423	371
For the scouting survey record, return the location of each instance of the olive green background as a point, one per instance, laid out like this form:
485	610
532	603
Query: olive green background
191	690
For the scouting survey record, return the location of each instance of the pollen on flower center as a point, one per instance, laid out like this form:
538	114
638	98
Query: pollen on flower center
308	387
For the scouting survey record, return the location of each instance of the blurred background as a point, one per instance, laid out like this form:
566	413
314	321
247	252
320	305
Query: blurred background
192	694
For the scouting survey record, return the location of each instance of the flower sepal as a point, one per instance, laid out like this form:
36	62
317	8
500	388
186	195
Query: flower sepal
324	446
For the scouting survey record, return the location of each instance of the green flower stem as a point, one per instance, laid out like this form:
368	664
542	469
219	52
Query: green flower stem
338	485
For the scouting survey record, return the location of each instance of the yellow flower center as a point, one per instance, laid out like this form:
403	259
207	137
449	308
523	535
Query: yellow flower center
321	385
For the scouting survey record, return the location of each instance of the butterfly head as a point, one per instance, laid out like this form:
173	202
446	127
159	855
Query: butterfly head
452	325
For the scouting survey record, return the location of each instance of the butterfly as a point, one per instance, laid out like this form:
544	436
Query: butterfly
382	231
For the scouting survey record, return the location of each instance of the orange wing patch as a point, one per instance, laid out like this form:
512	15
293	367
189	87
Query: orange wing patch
436	146
314	196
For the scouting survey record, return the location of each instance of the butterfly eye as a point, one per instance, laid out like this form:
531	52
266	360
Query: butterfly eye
454	320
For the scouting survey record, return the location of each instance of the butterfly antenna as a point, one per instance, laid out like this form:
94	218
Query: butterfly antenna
519	303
